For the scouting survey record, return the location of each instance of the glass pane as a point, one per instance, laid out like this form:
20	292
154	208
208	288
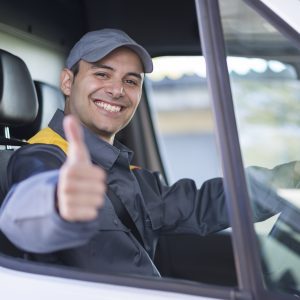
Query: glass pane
183	116
181	107
264	73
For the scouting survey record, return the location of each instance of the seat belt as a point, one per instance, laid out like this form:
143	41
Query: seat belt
11	142
123	214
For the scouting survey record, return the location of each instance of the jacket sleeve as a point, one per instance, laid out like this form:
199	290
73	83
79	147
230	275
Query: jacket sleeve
185	209
28	215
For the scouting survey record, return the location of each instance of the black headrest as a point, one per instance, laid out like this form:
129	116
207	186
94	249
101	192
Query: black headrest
50	98
18	101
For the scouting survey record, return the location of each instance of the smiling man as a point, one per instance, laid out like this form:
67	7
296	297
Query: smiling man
104	95
67	186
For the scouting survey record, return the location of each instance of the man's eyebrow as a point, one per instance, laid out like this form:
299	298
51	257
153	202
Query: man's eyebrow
102	66
137	75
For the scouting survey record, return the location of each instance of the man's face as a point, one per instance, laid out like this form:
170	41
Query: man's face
105	95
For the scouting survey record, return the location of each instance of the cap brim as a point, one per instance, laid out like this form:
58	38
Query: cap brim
101	52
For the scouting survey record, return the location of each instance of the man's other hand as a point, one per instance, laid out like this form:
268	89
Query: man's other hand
81	185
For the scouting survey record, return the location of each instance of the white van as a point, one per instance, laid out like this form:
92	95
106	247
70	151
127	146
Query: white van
224	95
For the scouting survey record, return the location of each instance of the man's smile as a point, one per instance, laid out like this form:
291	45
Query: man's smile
106	106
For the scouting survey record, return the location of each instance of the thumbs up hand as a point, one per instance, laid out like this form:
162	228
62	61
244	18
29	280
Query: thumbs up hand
81	185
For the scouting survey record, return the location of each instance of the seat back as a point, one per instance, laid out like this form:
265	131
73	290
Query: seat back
18	102
4	159
18	106
50	99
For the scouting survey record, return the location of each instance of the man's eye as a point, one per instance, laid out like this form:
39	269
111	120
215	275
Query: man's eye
131	82
101	74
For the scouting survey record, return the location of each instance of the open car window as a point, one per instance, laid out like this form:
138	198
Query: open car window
185	129
266	95
182	114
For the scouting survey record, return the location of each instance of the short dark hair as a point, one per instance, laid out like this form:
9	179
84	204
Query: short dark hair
75	69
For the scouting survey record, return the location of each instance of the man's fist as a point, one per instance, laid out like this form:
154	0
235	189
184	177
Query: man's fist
81	185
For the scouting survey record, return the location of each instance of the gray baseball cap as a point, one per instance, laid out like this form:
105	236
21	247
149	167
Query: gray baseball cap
95	45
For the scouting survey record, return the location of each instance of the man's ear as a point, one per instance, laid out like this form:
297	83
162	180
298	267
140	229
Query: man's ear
66	81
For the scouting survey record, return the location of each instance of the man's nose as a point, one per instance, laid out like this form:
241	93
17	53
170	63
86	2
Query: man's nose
116	89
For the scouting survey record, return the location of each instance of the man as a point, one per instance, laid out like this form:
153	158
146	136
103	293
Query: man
57	209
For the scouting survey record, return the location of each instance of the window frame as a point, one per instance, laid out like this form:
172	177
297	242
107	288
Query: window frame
245	244
283	27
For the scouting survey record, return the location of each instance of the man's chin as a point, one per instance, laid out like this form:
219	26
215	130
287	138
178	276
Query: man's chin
107	134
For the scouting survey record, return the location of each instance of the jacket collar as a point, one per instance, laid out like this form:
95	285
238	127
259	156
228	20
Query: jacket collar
101	152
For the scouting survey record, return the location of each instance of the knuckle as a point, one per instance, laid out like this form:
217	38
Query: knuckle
88	215
67	189
93	214
96	201
100	201
67	174
102	189
70	171
99	173
67	212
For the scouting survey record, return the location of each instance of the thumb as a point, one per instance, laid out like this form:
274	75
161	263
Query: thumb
77	150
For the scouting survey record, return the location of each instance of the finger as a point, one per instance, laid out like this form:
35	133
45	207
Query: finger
75	214
77	150
79	192
83	201
89	173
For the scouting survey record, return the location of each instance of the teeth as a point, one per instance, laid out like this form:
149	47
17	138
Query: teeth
108	107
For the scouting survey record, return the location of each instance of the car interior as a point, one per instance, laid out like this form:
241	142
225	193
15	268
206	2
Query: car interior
26	105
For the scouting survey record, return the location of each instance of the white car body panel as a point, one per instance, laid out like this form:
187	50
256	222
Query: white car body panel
15	285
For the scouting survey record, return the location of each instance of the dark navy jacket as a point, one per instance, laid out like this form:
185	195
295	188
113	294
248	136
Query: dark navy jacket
30	220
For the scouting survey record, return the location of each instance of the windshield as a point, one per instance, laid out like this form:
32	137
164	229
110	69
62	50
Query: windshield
266	94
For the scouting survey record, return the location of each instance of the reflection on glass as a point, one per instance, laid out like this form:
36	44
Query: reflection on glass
266	94
183	117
